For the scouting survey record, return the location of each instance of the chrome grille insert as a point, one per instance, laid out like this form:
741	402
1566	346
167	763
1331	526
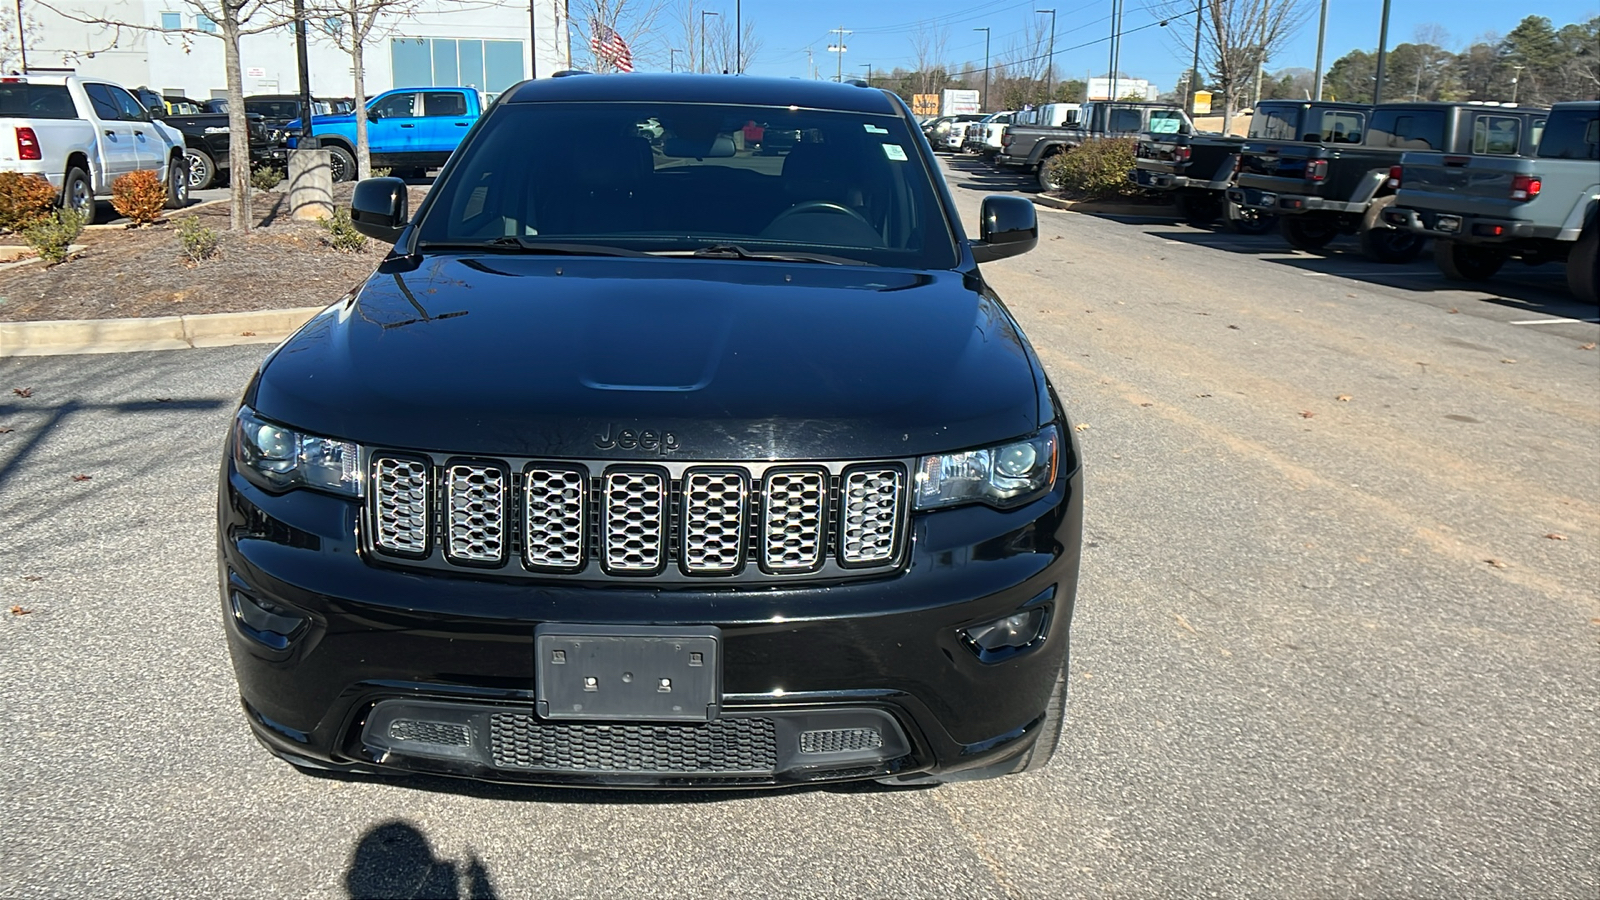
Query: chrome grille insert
634	505
791	520
713	521
400	505
869	520
476	502
553	508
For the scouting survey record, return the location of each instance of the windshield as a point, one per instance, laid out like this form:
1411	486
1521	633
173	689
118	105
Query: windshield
678	177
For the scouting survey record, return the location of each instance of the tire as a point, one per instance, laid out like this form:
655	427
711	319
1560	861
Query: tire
1307	232
1043	174
178	183
1250	221
1581	263
340	163
1055	714
77	192
1466	262
202	169
1384	244
1199	208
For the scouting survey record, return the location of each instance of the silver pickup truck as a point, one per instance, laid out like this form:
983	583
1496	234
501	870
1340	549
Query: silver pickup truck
1482	210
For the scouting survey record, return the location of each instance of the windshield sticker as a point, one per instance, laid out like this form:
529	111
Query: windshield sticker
894	152
873	129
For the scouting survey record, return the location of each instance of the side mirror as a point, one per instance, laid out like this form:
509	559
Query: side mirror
373	115
378	208
1007	226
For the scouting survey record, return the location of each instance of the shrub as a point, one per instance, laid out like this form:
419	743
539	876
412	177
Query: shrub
342	234
24	200
139	196
51	236
199	241
265	178
382	172
1096	169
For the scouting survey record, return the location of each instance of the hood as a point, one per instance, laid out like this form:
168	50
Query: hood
580	357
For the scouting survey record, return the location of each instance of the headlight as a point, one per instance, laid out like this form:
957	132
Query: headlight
1005	475
279	458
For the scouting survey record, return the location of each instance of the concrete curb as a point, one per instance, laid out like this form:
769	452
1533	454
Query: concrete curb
59	338
1105	207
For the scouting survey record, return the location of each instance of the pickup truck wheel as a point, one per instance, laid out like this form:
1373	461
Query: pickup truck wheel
177	183
78	194
1250	221
341	165
1465	262
1308	233
1199	208
202	169
1384	244
1046	181
1581	263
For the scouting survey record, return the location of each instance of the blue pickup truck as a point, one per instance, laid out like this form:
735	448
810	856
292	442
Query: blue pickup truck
409	130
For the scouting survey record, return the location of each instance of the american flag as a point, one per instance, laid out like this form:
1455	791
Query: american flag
608	45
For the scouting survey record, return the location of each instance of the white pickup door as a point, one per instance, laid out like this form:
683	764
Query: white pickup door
124	132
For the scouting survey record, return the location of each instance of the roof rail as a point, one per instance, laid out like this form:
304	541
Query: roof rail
567	72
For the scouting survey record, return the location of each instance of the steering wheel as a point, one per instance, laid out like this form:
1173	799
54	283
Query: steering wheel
809	206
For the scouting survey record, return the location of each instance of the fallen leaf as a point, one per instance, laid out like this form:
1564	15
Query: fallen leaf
247	334
1349	295
1234	327
1588	346
1147	404
1508	361
1306	414
5	431
1202	395
1185	623
33	578
1452	310
1498	564
24	393
1081	426
82	477
19	611
1055	237
1556	537
1343	398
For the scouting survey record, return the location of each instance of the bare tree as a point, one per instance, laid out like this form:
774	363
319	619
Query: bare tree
1237	37
634	20
721	48
13	40
233	20
360	21
928	49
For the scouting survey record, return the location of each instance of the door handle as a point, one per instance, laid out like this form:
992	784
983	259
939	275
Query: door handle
461	124
407	126
111	134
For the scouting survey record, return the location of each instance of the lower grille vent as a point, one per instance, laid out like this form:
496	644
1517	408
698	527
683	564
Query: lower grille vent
839	740
735	745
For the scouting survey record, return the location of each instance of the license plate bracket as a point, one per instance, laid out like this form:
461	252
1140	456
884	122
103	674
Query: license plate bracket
1448	224
628	672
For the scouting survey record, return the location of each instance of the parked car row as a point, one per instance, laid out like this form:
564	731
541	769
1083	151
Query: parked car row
1486	182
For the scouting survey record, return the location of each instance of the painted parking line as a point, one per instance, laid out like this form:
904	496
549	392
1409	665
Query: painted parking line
1558	321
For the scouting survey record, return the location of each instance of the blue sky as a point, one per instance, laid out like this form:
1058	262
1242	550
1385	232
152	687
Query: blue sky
882	31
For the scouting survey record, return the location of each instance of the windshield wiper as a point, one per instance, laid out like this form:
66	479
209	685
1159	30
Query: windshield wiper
734	251
523	245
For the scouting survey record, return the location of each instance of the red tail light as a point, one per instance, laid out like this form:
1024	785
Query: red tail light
1317	170
1393	183
28	144
1181	154
1525	187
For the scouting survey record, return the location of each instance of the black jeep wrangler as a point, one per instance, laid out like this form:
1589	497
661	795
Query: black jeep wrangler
661	463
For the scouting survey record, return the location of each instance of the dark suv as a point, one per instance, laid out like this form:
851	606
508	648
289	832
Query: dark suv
661	463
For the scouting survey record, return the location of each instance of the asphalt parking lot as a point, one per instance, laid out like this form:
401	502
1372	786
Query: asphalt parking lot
1337	631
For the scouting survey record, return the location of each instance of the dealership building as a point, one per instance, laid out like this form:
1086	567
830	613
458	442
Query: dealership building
486	44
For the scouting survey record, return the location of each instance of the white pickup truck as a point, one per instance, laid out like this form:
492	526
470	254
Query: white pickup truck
81	135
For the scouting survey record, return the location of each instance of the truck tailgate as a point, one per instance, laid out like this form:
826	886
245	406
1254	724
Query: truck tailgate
1464	184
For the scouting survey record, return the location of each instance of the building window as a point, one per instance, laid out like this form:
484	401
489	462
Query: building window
204	23
489	66
171	21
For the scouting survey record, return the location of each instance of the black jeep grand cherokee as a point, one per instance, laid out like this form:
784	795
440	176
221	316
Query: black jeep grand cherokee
646	459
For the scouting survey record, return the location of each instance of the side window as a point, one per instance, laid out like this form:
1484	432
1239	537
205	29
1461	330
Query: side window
1165	121
1536	132
444	103
1125	120
132	110
105	105
1571	134
1342	127
397	106
1407	130
1496	135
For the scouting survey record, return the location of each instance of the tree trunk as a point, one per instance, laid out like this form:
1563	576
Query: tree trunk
363	148
238	126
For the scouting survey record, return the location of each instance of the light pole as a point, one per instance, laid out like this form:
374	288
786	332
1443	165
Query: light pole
703	14
985	31
672	59
1383	46
1050	59
1516	81
738	39
1194	68
868	67
1322	36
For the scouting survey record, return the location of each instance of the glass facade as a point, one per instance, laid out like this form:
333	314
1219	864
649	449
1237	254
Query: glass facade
489	66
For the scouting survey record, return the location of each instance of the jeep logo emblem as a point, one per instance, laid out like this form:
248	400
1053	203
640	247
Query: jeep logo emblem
627	439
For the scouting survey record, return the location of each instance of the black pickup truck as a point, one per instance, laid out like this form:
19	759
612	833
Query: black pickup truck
1030	147
205	138
1329	169
1197	170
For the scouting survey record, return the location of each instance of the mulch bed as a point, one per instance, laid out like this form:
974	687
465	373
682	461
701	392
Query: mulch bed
128	272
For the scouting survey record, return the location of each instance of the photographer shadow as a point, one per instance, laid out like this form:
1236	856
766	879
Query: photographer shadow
394	859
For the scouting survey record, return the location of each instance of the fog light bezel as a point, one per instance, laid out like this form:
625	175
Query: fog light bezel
1043	606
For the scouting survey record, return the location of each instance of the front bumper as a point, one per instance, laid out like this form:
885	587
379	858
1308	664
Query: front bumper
1465	228
799	658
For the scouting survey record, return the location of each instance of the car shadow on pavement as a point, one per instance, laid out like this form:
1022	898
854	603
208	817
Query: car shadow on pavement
979	175
394	859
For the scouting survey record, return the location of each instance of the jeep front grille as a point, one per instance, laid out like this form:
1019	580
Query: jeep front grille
674	522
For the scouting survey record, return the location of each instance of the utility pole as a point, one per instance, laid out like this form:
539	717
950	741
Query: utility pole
305	73
868	67
1050	60
1516	81
533	39
703	14
1111	91
811	65
1383	46
22	39
985	31
1322	37
839	49
738	39
1194	68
